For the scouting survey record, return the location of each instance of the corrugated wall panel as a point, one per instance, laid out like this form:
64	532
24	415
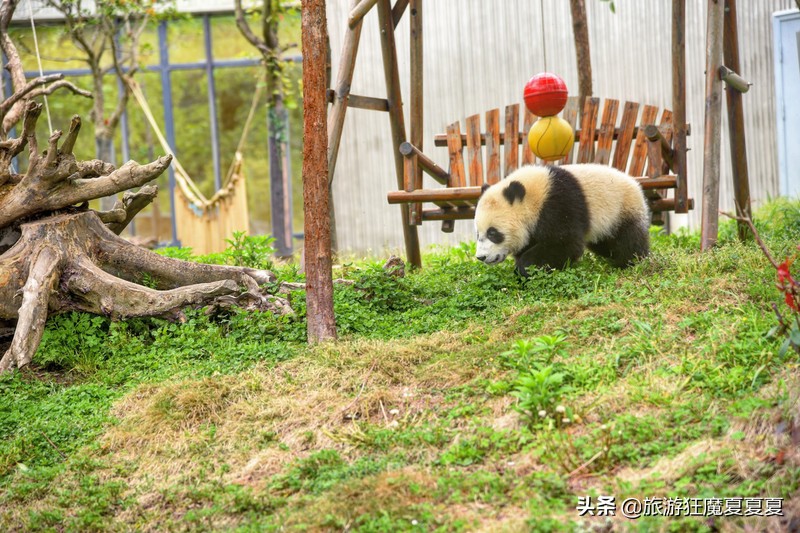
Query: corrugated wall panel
478	55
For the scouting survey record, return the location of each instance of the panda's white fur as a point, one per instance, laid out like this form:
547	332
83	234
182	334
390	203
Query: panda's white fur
545	216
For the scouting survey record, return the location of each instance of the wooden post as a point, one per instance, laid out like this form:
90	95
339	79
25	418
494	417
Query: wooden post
358	12
393	95
713	125
344	79
319	274
580	31
679	104
741	180
415	133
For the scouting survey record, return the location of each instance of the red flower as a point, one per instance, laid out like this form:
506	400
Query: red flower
783	272
789	298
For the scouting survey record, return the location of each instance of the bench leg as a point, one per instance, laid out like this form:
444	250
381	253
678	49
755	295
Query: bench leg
411	238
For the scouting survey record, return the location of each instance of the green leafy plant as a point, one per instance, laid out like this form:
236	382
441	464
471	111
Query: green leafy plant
254	251
75	341
539	394
526	355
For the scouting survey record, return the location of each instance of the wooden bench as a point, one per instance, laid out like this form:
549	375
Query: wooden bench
642	148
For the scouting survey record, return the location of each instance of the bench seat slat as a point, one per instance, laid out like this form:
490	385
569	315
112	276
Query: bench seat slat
459	195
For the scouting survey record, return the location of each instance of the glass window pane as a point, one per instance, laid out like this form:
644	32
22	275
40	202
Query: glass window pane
236	88
186	43
227	41
144	147
294	103
289	32
57	50
192	130
148	45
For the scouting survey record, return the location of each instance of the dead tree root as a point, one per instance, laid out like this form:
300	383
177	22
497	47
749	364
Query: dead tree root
74	262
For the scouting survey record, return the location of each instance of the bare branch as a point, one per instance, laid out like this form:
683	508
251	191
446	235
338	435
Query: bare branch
12	147
32	112
63	84
30	86
13	65
124	77
37	193
247	32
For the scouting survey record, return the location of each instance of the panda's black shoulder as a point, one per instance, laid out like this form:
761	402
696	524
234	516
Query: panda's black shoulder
564	188
564	205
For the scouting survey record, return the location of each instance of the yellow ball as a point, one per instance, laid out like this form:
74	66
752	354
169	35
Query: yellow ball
551	138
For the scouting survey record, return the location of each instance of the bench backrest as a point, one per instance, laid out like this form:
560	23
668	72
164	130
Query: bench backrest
623	145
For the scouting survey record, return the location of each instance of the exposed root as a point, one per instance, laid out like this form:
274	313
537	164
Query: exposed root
44	274
98	292
73	262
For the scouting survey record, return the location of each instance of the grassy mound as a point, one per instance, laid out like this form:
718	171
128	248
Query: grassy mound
460	398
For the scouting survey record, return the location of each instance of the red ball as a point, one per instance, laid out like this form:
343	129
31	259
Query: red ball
545	94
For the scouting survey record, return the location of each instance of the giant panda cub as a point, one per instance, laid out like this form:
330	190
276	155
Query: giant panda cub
545	216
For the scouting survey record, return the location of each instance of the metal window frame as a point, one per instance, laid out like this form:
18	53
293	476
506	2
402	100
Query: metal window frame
165	68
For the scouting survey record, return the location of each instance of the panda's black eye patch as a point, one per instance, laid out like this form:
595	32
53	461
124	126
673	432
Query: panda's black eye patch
514	191
495	236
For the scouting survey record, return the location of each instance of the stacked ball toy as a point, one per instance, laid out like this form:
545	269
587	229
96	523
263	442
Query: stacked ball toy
550	137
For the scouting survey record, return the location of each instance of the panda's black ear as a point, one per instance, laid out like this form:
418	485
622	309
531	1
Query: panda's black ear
515	191
484	187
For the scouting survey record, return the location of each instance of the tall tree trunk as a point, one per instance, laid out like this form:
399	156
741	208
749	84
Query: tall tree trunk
316	205
280	181
580	29
280	186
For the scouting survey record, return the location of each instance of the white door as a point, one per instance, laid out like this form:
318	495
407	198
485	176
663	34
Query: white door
786	26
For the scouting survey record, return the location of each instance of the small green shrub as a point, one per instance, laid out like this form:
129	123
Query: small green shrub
540	393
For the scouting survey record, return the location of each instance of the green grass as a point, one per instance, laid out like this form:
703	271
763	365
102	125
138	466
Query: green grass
458	398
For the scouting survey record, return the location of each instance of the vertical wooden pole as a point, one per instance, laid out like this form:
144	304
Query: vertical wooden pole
415	128
741	180
392	75
319	275
679	104
344	78
713	125
580	32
